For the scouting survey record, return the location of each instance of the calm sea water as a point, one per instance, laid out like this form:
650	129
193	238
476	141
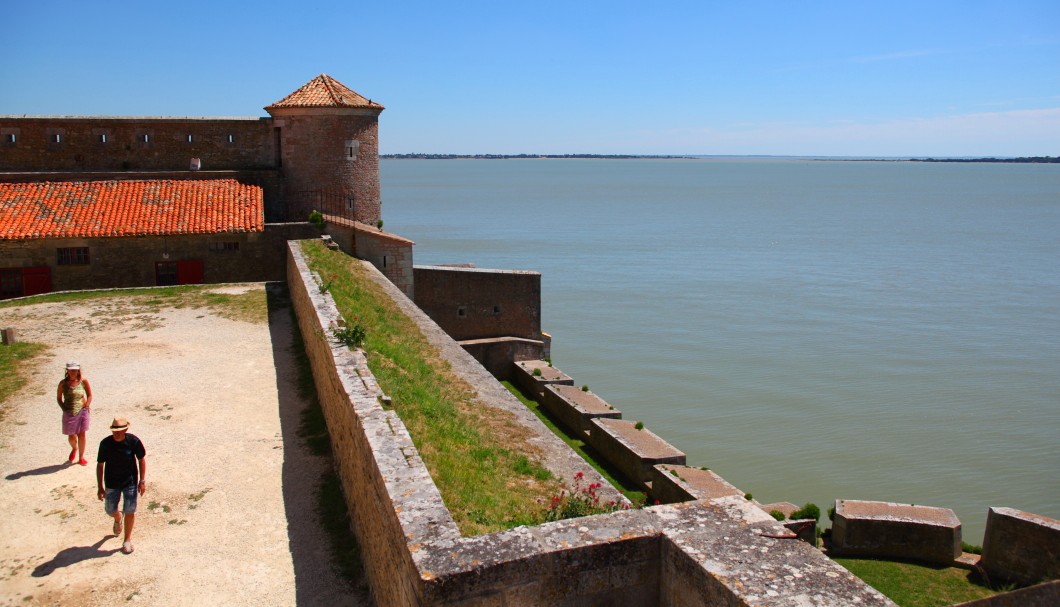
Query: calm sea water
809	330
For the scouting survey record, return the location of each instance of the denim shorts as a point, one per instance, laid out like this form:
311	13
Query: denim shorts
110	502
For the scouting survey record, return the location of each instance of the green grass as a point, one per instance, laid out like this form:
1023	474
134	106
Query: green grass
248	307
916	584
14	361
580	447
488	473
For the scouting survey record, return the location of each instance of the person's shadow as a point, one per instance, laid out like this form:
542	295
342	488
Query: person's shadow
14	476
69	556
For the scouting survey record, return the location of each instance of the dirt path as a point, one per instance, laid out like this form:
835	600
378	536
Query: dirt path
229	515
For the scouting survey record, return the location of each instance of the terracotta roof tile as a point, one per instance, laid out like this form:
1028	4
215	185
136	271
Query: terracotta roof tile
93	209
324	91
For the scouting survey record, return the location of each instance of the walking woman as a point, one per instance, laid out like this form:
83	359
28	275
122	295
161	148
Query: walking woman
75	398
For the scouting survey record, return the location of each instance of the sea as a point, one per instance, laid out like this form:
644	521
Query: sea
809	329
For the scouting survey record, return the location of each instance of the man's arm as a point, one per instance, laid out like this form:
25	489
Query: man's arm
100	491
142	485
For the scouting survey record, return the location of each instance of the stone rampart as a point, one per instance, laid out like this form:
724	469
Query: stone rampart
1020	547
682	555
478	303
499	355
389	253
533	375
634	451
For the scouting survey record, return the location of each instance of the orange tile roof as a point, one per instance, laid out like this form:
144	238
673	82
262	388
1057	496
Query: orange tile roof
324	91
93	209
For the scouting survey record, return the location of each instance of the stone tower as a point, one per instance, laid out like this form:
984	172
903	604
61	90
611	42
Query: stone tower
327	139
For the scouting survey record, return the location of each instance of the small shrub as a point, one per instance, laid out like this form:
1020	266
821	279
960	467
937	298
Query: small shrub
580	501
537	372
674	472
351	335
971	548
316	218
831	514
639	425
777	514
748	496
807	511
379	224
325	285
585	388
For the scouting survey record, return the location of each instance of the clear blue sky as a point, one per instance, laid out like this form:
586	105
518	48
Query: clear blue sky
791	78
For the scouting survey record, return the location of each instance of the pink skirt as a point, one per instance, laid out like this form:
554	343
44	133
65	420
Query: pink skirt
75	424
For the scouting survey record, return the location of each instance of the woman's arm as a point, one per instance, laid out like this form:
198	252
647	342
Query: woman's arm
88	393
59	393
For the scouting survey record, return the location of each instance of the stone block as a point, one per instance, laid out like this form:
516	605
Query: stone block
892	530
1020	547
574	407
534	384
673	483
634	452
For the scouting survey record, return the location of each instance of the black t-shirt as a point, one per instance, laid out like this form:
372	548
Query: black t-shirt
119	461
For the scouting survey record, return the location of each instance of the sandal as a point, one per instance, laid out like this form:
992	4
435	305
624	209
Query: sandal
73	454
83	462
127	548
117	524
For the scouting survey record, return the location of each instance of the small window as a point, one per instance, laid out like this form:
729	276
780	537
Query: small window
496	310
384	261
10	137
231	139
349	203
57	138
189	138
103	138
461	311
73	256
352	147
224	246
146	138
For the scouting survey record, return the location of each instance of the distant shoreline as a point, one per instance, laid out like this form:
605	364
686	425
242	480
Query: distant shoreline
1021	159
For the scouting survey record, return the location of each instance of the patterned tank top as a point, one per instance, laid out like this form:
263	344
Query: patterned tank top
74	398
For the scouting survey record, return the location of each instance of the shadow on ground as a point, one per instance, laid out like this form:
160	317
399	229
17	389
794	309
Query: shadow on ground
318	524
76	554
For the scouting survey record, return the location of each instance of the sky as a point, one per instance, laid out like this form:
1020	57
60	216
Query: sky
851	78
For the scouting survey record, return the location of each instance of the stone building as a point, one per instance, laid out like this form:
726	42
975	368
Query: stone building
96	201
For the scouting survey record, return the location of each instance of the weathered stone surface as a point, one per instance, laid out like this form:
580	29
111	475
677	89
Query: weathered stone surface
574	407
535	384
1021	547
1046	594
674	483
896	530
634	452
694	554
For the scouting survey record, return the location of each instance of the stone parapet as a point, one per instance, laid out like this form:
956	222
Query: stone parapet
533	375
892	530
1020	547
695	554
574	407
634	452
674	483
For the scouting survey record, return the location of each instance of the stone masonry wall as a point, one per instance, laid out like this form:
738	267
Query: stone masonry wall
118	143
1021	547
131	261
472	303
683	555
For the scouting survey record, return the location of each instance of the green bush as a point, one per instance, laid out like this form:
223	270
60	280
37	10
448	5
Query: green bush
777	514
971	548
639	425
537	372
807	511
316	218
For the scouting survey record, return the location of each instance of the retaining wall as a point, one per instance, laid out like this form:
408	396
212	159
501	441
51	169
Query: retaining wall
680	555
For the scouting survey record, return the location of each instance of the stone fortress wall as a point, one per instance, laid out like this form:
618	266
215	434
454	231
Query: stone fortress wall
671	555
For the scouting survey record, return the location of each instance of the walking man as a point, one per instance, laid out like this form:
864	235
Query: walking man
121	473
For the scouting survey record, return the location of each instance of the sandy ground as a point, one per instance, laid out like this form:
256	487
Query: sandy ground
228	517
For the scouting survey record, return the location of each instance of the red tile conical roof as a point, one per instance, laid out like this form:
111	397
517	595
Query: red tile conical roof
324	91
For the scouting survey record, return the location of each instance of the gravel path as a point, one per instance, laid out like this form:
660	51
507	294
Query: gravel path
229	514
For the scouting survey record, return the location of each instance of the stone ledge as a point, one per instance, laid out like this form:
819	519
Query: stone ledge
896	530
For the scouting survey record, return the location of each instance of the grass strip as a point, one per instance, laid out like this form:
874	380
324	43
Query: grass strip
616	478
488	473
913	584
14	361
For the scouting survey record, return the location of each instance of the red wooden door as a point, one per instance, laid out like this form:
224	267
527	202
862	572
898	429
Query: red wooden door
190	272
36	280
